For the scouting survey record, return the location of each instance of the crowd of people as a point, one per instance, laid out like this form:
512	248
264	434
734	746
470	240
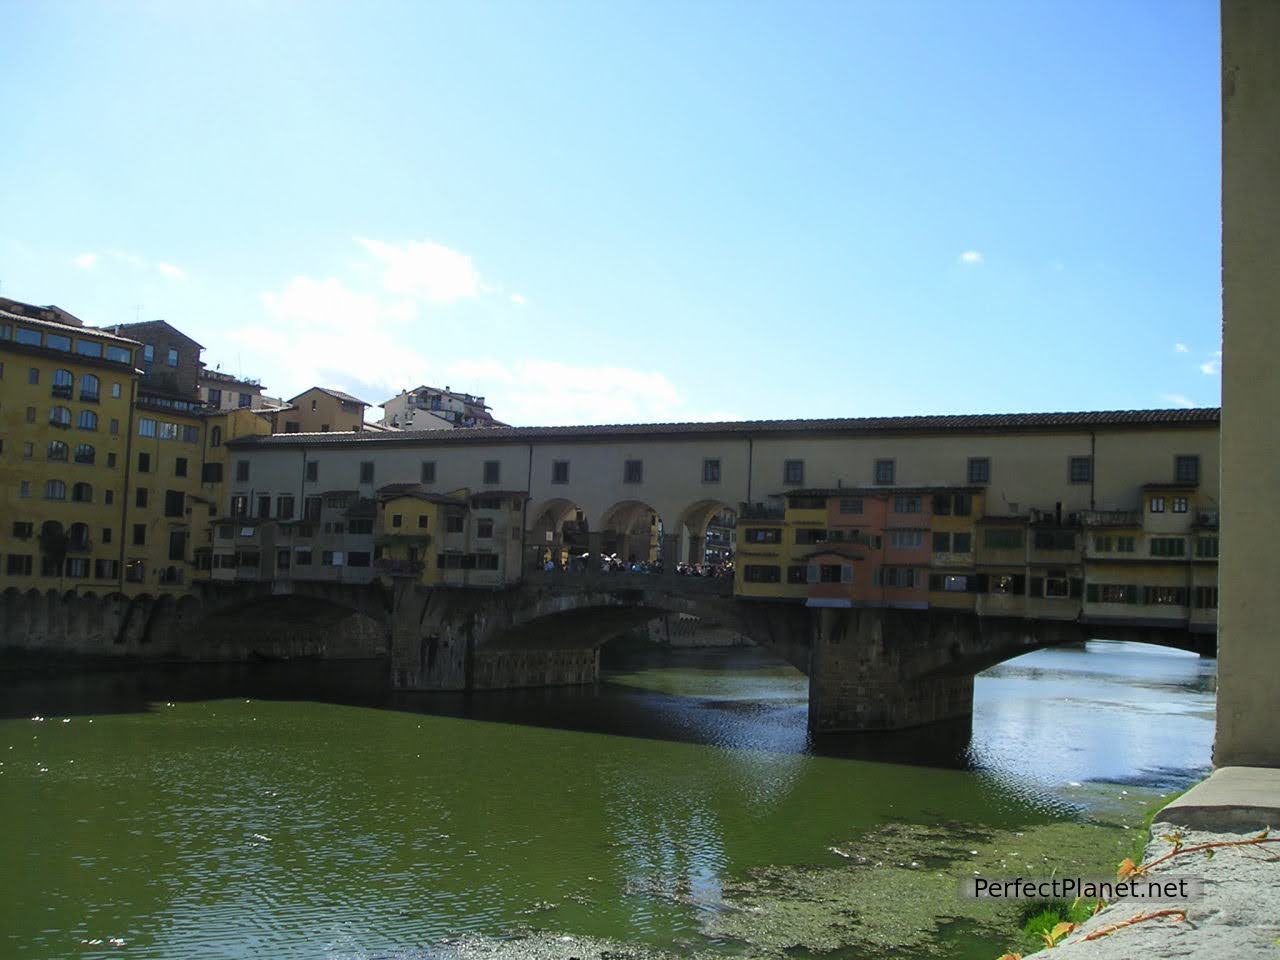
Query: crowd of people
612	563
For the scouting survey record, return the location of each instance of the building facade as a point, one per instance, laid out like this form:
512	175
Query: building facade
115	479
221	391
430	408
112	470
322	410
66	415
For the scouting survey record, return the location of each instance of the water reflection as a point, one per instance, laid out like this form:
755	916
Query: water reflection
303	810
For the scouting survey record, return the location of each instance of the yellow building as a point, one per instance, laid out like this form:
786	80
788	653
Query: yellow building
410	520
461	539
323	410
771	538
65	401
215	477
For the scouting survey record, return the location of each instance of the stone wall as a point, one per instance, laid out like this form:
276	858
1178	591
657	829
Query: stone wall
69	625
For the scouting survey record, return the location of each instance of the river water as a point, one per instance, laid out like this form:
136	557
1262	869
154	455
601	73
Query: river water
301	810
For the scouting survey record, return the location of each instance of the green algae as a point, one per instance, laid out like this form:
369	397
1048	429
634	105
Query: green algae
896	890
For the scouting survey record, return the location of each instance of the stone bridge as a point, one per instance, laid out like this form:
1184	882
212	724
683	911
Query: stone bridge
868	669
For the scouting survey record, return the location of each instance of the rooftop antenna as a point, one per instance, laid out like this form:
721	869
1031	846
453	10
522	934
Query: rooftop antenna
137	312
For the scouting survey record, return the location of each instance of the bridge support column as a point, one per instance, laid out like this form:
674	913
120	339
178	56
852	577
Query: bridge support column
595	546
670	552
887	670
697	543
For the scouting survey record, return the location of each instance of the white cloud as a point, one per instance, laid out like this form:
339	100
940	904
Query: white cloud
1177	400
425	270
552	392
1181	348
971	258
1213	366
88	261
323	331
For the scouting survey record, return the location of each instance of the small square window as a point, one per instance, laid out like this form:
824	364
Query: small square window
180	467
560	471
1080	469
793	471
492	471
366	471
396	520
710	471
313	471
633	471
979	469
428	474
242	471
885	471
422	521
1186	469
144	463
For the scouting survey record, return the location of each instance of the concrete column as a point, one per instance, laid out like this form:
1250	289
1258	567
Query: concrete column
1248	603
595	544
670	552
697	547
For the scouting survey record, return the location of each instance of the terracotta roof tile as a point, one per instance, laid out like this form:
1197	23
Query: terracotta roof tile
855	426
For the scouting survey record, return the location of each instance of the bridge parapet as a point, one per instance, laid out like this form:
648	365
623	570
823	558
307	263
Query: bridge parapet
600	581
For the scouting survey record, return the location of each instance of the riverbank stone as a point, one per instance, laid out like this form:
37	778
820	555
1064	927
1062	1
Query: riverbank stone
1237	918
1232	798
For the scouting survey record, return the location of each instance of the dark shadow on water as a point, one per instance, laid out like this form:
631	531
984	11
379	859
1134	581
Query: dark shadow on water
769	722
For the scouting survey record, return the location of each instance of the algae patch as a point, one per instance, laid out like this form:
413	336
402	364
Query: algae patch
898	889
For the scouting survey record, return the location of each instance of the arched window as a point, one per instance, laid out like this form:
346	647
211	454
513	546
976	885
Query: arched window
88	420
62	382
215	437
88	387
85	453
60	416
81	493
57	450
55	490
78	535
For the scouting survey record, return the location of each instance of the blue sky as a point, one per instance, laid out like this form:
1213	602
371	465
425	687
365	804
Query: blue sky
635	211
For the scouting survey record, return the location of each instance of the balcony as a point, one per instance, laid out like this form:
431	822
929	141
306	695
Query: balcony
1112	518
761	511
398	567
1206	520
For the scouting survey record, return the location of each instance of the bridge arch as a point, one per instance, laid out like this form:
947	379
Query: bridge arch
634	531
708	531
558	529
